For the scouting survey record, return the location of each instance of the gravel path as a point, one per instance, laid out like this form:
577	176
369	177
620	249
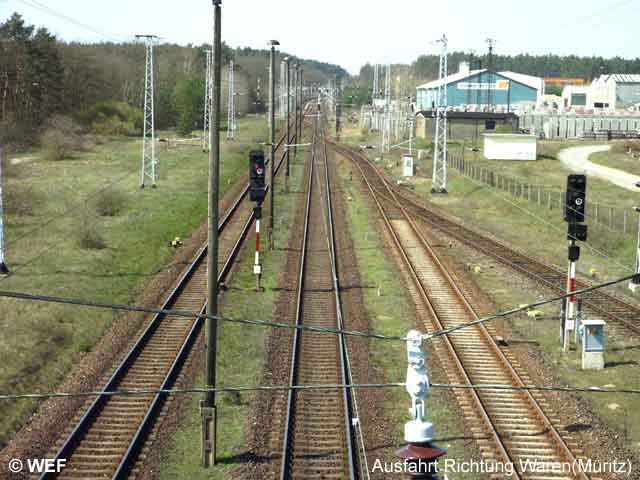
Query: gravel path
577	159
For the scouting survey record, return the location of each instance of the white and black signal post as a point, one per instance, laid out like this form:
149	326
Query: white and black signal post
257	192
574	215
3	265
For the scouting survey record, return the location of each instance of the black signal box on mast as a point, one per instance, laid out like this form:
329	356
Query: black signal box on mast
575	198
257	189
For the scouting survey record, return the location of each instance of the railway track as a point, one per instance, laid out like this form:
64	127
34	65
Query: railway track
512	427
606	305
108	437
317	440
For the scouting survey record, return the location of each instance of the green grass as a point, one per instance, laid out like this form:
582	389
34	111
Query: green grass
391	314
39	343
240	359
617	157
543	236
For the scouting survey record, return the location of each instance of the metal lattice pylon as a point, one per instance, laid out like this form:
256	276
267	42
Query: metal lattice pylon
386	128
208	94
231	108
149	168
376	83
439	180
282	89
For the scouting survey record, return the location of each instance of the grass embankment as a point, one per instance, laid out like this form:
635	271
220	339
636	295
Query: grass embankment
391	314
40	342
619	157
542	234
240	358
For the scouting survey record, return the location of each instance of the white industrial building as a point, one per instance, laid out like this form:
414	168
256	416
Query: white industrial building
607	92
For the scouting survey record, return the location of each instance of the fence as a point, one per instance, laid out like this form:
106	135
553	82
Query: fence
619	219
574	126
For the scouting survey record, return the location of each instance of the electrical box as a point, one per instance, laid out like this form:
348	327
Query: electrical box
408	166
592	334
257	188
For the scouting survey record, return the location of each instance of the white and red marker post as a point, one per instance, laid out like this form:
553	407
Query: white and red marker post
257	268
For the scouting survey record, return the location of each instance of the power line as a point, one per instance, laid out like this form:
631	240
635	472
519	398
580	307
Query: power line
531	214
37	5
268	323
272	388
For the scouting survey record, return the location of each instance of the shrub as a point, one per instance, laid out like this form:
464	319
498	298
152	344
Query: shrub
113	118
61	137
88	235
110	203
21	199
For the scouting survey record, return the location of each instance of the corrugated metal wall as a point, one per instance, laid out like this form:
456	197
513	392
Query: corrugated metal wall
474	90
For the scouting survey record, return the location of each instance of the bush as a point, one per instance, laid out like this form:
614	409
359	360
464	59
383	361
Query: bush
21	200
60	138
110	203
87	232
113	119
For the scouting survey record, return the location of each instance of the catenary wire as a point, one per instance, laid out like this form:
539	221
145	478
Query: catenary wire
272	388
555	227
267	323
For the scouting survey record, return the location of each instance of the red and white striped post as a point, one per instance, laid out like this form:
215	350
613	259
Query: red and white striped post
257	268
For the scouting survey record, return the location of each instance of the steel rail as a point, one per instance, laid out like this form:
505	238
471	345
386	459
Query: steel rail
344	370
554	278
561	447
128	460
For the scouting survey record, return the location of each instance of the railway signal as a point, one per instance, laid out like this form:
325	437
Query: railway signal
574	208
257	193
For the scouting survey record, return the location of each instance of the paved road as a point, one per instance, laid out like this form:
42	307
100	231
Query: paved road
577	159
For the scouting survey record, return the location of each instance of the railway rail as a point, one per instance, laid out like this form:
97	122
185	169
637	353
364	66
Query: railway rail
108	439
317	439
512	426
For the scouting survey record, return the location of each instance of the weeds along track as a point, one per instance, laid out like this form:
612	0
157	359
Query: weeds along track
107	438
317	440
511	427
607	306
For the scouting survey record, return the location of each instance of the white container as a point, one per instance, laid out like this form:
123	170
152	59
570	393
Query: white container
510	146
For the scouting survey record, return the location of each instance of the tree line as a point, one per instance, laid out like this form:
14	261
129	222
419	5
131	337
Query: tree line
425	67
42	77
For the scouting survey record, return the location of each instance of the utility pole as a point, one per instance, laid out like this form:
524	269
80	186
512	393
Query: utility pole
338	107
490	42
439	179
3	265
282	88
149	160
231	105
301	103
206	137
386	128
287	113
376	84
208	409
296	107
272	135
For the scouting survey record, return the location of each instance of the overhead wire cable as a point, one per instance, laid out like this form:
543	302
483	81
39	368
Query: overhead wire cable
268	323
272	388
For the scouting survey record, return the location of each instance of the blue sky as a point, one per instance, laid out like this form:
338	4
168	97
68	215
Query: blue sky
352	32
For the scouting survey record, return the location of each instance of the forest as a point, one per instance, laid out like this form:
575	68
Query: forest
425	69
98	87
